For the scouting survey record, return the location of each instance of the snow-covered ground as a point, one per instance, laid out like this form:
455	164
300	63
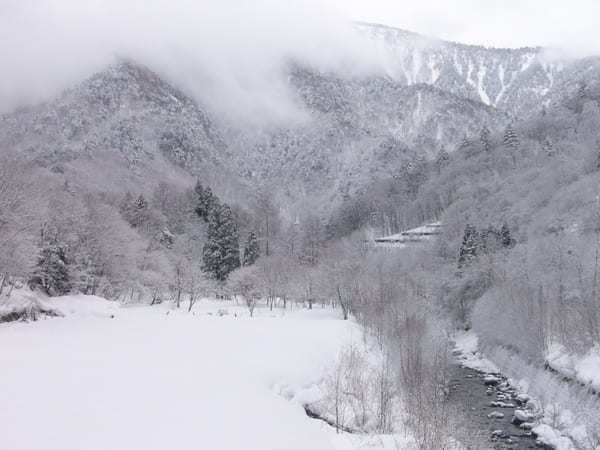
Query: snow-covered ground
139	377
408	237
583	368
467	343
556	424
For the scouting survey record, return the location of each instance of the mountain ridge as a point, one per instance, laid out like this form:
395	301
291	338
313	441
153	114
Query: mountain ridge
358	128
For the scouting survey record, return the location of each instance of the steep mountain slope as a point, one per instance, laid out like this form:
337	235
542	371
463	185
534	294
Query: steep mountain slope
359	130
120	129
125	128
578	84
511	79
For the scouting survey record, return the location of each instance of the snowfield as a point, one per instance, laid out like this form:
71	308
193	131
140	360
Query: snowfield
111	377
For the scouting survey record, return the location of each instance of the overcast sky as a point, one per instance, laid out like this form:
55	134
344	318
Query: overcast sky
574	24
230	52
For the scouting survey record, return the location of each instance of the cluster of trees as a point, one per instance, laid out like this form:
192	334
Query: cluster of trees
172	242
221	252
486	241
409	197
522	287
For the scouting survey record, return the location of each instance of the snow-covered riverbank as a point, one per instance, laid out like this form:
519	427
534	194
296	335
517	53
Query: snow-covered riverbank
105	376
566	413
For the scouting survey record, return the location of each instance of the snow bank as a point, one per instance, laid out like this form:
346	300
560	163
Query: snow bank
466	343
585	369
549	436
24	305
148	378
557	427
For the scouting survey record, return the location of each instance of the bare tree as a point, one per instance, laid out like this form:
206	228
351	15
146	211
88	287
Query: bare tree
245	281
196	285
21	208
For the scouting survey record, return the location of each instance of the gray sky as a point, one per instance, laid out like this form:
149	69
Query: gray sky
229	53
572	24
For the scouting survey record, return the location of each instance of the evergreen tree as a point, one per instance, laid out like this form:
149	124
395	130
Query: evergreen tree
505	237
51	273
468	249
468	147
464	144
140	203
485	139
511	142
510	138
488	240
135	212
140	212
206	201
582	91
414	176
126	207
221	253
251	250
548	148
442	159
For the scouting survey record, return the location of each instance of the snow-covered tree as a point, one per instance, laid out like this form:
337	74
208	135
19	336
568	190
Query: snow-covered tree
251	250
51	273
485	138
312	241
221	253
505	236
21	211
246	282
510	138
442	159
464	144
206	201
468	249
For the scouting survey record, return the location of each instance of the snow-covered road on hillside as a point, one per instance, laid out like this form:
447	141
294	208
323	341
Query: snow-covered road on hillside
150	380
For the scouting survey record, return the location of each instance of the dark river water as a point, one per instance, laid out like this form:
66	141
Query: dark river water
487	404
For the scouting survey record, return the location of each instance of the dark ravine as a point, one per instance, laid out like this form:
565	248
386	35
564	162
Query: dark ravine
488	403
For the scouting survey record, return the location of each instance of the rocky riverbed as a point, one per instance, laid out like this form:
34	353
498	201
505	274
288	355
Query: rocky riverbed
492	407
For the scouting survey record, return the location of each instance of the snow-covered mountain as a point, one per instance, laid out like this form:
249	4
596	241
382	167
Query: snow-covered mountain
511	79
359	130
126	127
123	128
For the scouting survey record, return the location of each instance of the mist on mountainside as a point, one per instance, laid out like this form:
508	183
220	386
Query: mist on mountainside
390	239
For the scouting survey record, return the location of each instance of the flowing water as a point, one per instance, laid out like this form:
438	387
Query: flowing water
488	404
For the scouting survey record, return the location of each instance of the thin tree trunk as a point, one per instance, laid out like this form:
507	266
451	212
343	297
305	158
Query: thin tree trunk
2	283
344	309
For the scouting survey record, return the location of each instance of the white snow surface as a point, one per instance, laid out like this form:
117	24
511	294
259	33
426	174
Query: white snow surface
584	368
549	436
106	376
21	300
467	343
419	234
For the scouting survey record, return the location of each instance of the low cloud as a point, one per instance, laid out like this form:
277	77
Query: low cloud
229	53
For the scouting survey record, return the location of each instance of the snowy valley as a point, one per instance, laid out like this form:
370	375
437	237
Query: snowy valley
265	236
